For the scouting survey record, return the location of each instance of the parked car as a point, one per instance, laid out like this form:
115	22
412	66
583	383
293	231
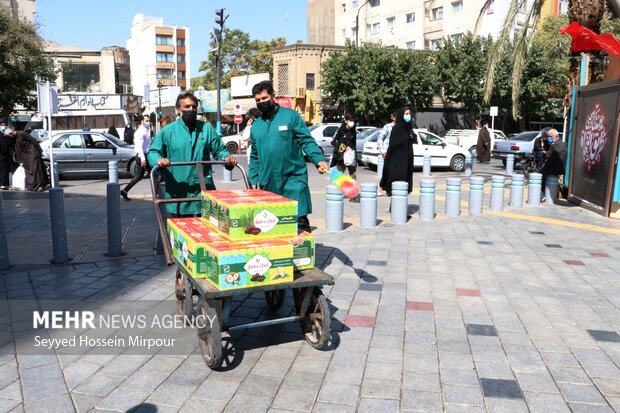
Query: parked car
86	151
362	138
523	143
324	133
442	154
468	138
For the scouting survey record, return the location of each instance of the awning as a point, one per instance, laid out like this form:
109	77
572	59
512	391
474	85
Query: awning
246	104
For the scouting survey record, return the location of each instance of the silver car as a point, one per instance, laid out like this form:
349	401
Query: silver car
87	151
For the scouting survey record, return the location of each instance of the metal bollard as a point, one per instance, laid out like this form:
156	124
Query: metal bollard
114	220
113	172
469	165
510	164
453	197
516	191
55	177
227	175
4	247
476	194
551	189
426	166
59	227
368	205
399	203
334	209
496	202
427	199
534	185
380	162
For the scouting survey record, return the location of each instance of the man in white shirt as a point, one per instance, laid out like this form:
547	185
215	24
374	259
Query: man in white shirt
383	140
142	142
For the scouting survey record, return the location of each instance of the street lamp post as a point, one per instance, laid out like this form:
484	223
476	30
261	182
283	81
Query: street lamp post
220	19
357	23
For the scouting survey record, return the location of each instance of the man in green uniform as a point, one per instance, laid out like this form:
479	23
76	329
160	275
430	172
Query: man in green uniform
277	162
184	140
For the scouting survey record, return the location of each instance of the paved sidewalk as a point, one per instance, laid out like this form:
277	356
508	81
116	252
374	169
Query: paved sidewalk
513	311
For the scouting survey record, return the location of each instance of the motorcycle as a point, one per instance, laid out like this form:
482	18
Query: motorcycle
528	163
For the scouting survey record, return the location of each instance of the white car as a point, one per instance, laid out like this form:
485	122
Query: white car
468	138
442	154
324	133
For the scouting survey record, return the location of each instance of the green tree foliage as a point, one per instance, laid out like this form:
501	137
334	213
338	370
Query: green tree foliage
240	55
23	63
373	81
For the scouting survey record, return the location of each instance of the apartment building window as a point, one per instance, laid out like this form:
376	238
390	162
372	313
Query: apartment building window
180	58
355	4
181	75
410	17
283	79
180	42
164	73
373	28
374	3
390	22
457	7
165	57
309	81
164	40
410	45
457	37
437	13
562	6
432	44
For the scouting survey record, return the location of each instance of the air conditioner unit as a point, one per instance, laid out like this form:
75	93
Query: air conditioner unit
301	92
127	89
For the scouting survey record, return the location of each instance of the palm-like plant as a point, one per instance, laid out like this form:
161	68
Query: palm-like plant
588	13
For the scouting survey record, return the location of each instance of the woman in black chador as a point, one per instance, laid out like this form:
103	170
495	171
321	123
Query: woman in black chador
398	164
28	152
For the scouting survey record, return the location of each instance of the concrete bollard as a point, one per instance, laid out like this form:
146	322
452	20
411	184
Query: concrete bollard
334	209
476	194
427	199
426	166
368	205
59	226
114	220
551	189
516	191
113	171
227	175
380	162
453	197
496	203
534	185
510	163
400	202
469	165
4	247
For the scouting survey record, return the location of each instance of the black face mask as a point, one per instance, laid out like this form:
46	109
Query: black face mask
267	108
189	117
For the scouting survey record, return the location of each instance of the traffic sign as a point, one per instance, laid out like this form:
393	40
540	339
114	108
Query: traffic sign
238	110
238	119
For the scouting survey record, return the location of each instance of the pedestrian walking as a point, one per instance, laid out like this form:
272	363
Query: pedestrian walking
483	146
142	143
279	140
29	154
344	144
383	140
128	134
112	131
555	163
7	164
252	115
184	140
398	164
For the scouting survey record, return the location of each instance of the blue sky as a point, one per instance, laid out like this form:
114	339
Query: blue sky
93	24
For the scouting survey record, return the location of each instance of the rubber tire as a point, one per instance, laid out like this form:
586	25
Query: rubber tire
317	332
232	147
275	299
474	151
130	167
453	161
210	337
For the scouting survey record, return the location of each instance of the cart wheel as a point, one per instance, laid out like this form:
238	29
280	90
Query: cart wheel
275	299
183	290
316	326
209	334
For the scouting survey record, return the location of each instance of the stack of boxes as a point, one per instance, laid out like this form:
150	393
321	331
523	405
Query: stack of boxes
244	238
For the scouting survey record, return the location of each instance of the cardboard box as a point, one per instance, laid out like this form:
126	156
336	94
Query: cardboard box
188	238
303	251
250	214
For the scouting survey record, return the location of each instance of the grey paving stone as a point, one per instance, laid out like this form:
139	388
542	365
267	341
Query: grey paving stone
542	383
545	402
501	388
378	405
608	387
601	335
295	398
420	364
263	385
171	394
60	403
339	394
332	408
39	390
10	405
337	374
214	389
456	360
590	408
381	389
387	371
560	359
85	402
248	403
421	381
467	395
123	399
480	330
500	405
421	401
200	406
581	393
458	376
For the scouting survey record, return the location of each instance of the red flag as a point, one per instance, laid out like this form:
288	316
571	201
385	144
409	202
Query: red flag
586	39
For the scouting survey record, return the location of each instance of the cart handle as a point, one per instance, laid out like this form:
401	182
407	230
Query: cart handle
156	201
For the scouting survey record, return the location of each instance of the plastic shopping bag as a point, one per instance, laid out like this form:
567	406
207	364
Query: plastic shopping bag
19	178
348	157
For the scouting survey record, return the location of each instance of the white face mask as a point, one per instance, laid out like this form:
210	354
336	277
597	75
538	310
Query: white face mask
2	128
147	124
350	124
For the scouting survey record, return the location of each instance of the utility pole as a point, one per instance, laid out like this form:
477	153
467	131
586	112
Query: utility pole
220	19
357	23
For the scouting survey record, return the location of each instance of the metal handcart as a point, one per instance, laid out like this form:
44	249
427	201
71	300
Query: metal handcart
311	308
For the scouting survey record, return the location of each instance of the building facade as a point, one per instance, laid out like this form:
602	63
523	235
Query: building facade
159	55
21	9
405	25
297	78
